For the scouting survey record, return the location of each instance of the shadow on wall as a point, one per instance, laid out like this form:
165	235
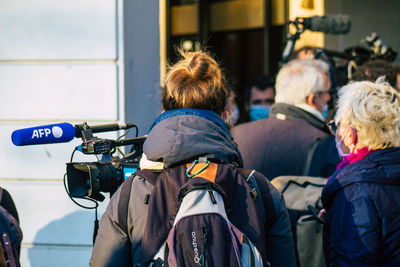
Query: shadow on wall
64	242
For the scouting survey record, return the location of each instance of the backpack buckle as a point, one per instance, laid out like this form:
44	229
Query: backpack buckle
199	171
254	194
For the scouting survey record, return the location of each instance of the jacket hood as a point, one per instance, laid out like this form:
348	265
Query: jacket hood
379	167
183	135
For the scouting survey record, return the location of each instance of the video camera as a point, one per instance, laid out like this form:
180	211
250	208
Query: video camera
89	179
86	180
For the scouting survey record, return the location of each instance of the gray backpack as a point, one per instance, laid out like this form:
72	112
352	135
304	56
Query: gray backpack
303	200
203	221
202	234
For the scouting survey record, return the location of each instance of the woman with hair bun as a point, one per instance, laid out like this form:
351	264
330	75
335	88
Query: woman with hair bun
193	125
362	198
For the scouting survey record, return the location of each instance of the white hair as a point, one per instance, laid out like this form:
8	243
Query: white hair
298	79
373	109
321	65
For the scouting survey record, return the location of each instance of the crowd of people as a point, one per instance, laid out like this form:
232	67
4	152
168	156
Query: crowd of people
358	153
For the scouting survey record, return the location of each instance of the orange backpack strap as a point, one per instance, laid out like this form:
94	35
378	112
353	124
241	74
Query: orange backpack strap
206	170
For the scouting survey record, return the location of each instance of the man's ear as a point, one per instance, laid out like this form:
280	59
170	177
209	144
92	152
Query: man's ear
311	100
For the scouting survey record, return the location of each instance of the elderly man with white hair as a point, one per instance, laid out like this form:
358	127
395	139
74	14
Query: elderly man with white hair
280	144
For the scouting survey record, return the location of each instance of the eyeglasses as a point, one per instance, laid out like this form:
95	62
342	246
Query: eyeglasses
332	127
266	101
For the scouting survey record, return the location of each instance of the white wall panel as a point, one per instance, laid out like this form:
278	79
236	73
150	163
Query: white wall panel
59	62
52	256
62	29
47	216
58	91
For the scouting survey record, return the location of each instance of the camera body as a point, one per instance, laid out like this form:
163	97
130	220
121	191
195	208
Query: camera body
89	179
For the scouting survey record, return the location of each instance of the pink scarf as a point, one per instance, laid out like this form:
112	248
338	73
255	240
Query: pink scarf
354	157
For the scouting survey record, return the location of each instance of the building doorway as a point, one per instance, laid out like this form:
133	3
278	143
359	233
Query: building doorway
240	33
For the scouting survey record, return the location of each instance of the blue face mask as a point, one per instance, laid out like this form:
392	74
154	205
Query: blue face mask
259	112
324	111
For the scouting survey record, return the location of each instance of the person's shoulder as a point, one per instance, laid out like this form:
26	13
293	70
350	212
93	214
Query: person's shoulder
343	192
250	127
263	182
241	126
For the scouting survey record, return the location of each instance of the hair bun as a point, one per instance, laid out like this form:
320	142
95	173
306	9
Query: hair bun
196	81
199	65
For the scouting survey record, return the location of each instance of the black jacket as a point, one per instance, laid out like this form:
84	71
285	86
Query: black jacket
279	144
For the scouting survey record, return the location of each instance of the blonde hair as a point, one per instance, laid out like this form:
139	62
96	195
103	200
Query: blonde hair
298	79
196	81
373	109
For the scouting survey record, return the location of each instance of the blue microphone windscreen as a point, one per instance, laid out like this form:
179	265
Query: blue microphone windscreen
46	134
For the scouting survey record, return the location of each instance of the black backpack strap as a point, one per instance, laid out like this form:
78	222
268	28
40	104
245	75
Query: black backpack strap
126	192
11	237
252	178
8	249
265	191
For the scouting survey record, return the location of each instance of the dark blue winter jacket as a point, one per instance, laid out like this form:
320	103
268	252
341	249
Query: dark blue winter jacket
362	227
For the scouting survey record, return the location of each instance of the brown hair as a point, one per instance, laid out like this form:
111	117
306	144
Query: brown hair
196	81
374	69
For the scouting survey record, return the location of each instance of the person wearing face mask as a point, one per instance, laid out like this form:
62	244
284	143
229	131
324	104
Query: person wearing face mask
259	97
313	52
362	198
279	145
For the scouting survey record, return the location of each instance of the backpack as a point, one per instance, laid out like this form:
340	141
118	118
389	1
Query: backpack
11	236
302	196
190	221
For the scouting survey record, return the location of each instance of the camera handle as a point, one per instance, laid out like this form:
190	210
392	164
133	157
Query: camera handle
292	38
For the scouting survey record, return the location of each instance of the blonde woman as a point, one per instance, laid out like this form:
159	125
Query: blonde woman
362	198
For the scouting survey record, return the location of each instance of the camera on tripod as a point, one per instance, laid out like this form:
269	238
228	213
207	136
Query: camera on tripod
89	179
